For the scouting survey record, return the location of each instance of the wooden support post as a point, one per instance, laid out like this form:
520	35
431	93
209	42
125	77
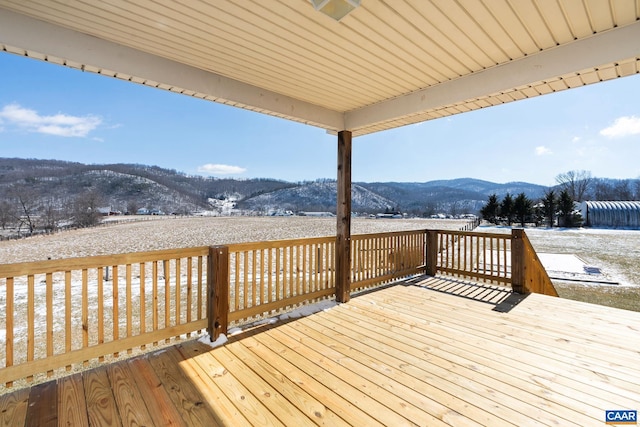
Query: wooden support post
217	291
518	261
343	213
432	253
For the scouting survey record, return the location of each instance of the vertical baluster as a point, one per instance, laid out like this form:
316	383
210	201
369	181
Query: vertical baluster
116	301
369	258
319	266
189	291
178	302
9	325
261	274
270	297
67	315
100	309
291	271
49	317
245	285
143	302
259	279
200	285
304	283
379	257
498	256
166	271
465	248
128	304
279	255
477	239
156	300
254	283
311	262
505	256
446	250
30	320
491	271
238	270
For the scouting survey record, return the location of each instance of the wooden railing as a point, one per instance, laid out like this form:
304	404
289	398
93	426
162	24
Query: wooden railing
266	278
381	258
63	312
503	259
528	274
479	256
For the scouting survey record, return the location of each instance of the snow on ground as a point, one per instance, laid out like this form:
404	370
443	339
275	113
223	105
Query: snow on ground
184	232
571	267
576	254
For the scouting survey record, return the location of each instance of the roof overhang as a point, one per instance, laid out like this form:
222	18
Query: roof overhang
511	62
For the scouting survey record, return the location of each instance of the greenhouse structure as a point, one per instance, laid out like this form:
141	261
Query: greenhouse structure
617	214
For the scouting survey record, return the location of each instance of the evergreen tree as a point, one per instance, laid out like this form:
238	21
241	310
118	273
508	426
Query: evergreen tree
567	217
550	205
507	209
490	211
523	208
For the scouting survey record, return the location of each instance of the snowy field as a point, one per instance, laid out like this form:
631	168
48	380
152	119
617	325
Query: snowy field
594	265
179	232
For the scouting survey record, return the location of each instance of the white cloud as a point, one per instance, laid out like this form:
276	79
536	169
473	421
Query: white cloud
622	126
59	124
576	139
215	169
542	150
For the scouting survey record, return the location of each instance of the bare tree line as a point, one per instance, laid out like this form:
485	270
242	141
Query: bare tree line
581	186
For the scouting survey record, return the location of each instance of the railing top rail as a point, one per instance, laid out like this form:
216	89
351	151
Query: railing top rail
79	263
475	233
270	244
387	234
247	246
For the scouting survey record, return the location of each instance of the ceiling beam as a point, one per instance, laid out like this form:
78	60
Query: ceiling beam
610	46
20	31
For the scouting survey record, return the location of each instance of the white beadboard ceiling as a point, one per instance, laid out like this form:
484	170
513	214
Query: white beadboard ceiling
388	63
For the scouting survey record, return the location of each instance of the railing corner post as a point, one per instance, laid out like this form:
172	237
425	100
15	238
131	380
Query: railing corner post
432	253
217	291
518	261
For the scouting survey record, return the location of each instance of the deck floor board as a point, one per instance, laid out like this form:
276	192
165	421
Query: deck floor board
431	351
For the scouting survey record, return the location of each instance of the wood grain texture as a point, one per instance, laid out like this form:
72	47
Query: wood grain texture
431	351
72	405
132	407
13	407
156	397
185	394
101	405
43	406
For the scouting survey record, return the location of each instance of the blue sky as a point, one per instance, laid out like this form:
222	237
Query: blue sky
52	112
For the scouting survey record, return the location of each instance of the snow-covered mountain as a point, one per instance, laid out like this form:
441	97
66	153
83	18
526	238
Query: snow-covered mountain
127	187
317	196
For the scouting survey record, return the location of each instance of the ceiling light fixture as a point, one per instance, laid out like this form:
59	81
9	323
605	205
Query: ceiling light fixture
337	9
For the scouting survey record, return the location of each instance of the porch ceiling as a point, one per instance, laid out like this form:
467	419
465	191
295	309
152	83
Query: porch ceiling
387	64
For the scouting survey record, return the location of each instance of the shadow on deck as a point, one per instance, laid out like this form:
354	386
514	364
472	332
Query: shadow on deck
428	351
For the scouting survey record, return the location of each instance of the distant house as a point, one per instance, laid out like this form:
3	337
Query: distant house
320	214
107	211
616	214
143	211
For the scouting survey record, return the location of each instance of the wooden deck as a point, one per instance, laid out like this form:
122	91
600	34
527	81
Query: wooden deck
431	352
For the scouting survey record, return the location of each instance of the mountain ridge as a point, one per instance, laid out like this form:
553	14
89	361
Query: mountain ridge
127	187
